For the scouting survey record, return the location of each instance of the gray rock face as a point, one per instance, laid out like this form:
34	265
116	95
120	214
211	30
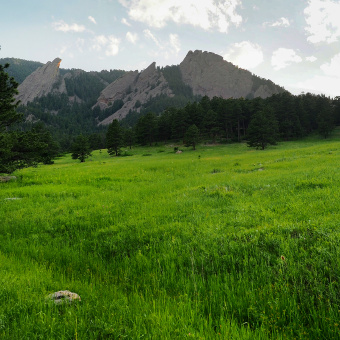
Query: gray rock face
133	88
209	74
41	82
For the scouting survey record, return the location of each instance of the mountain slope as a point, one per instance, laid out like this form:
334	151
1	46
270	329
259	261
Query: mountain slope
133	89
208	74
203	73
116	94
41	82
20	69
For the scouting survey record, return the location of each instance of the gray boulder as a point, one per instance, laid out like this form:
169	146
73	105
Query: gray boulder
63	297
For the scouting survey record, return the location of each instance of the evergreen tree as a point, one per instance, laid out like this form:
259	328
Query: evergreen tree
43	137
114	138
7	163
129	137
81	148
8	104
95	140
164	125
22	149
146	129
262	129
336	104
192	136
325	117
19	149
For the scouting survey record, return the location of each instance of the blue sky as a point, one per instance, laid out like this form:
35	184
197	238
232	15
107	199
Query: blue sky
295	43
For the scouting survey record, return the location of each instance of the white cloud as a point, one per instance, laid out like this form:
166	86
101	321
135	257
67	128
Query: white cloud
132	37
284	57
282	22
63	50
92	19
245	54
312	59
64	27
333	68
113	46
125	22
207	14
80	44
165	48
328	81
322	18
99	42
321	84
150	36
110	44
175	43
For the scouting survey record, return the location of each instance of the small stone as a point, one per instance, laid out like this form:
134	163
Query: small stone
7	178
63	296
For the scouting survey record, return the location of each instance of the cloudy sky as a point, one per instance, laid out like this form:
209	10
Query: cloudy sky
295	43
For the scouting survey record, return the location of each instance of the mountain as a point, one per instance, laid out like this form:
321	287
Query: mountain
116	94
20	68
205	73
77	84
208	74
134	89
41	82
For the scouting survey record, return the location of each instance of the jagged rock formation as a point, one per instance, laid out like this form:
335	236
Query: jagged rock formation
209	74
41	82
133	89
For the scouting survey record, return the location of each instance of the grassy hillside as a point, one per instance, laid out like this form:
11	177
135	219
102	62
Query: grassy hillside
224	242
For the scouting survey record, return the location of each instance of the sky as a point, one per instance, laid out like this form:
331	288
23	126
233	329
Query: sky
294	43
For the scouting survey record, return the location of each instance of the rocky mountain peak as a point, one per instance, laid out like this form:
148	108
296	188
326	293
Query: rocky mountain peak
41	82
134	88
209	74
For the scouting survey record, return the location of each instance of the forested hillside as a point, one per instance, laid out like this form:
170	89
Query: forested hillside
69	114
227	120
20	68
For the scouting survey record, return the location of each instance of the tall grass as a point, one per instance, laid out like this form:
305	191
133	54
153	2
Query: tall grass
224	242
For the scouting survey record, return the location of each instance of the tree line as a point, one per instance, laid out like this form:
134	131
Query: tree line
19	149
259	121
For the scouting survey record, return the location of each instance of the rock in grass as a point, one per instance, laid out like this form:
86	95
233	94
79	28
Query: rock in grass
7	178
63	297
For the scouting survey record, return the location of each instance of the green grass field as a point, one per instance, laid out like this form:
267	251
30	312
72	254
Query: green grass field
225	242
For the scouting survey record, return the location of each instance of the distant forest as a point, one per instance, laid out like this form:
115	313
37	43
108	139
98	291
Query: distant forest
227	120
218	120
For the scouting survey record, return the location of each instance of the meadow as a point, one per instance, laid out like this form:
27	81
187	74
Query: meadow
225	242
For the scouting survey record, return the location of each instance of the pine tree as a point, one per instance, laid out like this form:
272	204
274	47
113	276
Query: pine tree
192	136
17	149
114	138
81	148
8	104
129	137
262	129
146	129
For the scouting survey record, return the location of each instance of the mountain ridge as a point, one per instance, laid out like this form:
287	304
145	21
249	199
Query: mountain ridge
201	73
